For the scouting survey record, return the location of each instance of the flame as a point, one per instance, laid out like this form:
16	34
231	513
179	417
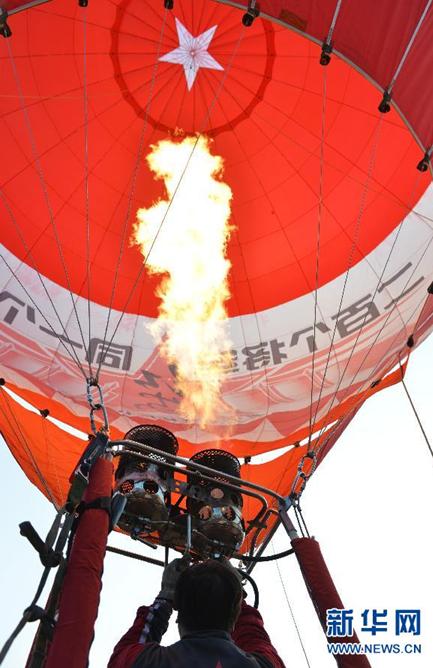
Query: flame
185	238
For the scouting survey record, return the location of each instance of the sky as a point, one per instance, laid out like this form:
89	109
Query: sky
369	505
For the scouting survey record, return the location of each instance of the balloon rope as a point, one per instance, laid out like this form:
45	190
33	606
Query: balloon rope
319	309
362	389
86	181
319	226
334	21
41	177
290	608
71	353
377	288
274	127
221	84
362	205
134	176
243	330
409	46
388	90
320	443
391	311
300	519
205	119
282	229
416	414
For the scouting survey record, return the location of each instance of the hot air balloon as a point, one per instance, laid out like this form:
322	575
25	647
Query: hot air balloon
316	124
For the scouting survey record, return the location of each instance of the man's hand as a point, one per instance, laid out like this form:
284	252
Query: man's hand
171	576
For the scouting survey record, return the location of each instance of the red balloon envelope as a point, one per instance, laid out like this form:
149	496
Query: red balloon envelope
330	252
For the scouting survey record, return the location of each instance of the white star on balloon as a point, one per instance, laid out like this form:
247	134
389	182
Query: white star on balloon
192	53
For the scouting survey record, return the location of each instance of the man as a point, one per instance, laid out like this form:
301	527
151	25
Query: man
217	628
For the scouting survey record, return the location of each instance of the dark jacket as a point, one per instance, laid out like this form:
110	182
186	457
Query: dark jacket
249	645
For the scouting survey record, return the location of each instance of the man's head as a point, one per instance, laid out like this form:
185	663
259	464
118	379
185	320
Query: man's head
208	596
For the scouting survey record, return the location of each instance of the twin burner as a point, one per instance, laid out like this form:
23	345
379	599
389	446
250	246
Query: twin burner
157	501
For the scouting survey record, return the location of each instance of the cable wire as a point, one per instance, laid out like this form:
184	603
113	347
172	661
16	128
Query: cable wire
291	610
362	205
319	226
378	334
361	391
377	288
86	184
71	353
199	135
41	177
319	444
129	203
416	413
